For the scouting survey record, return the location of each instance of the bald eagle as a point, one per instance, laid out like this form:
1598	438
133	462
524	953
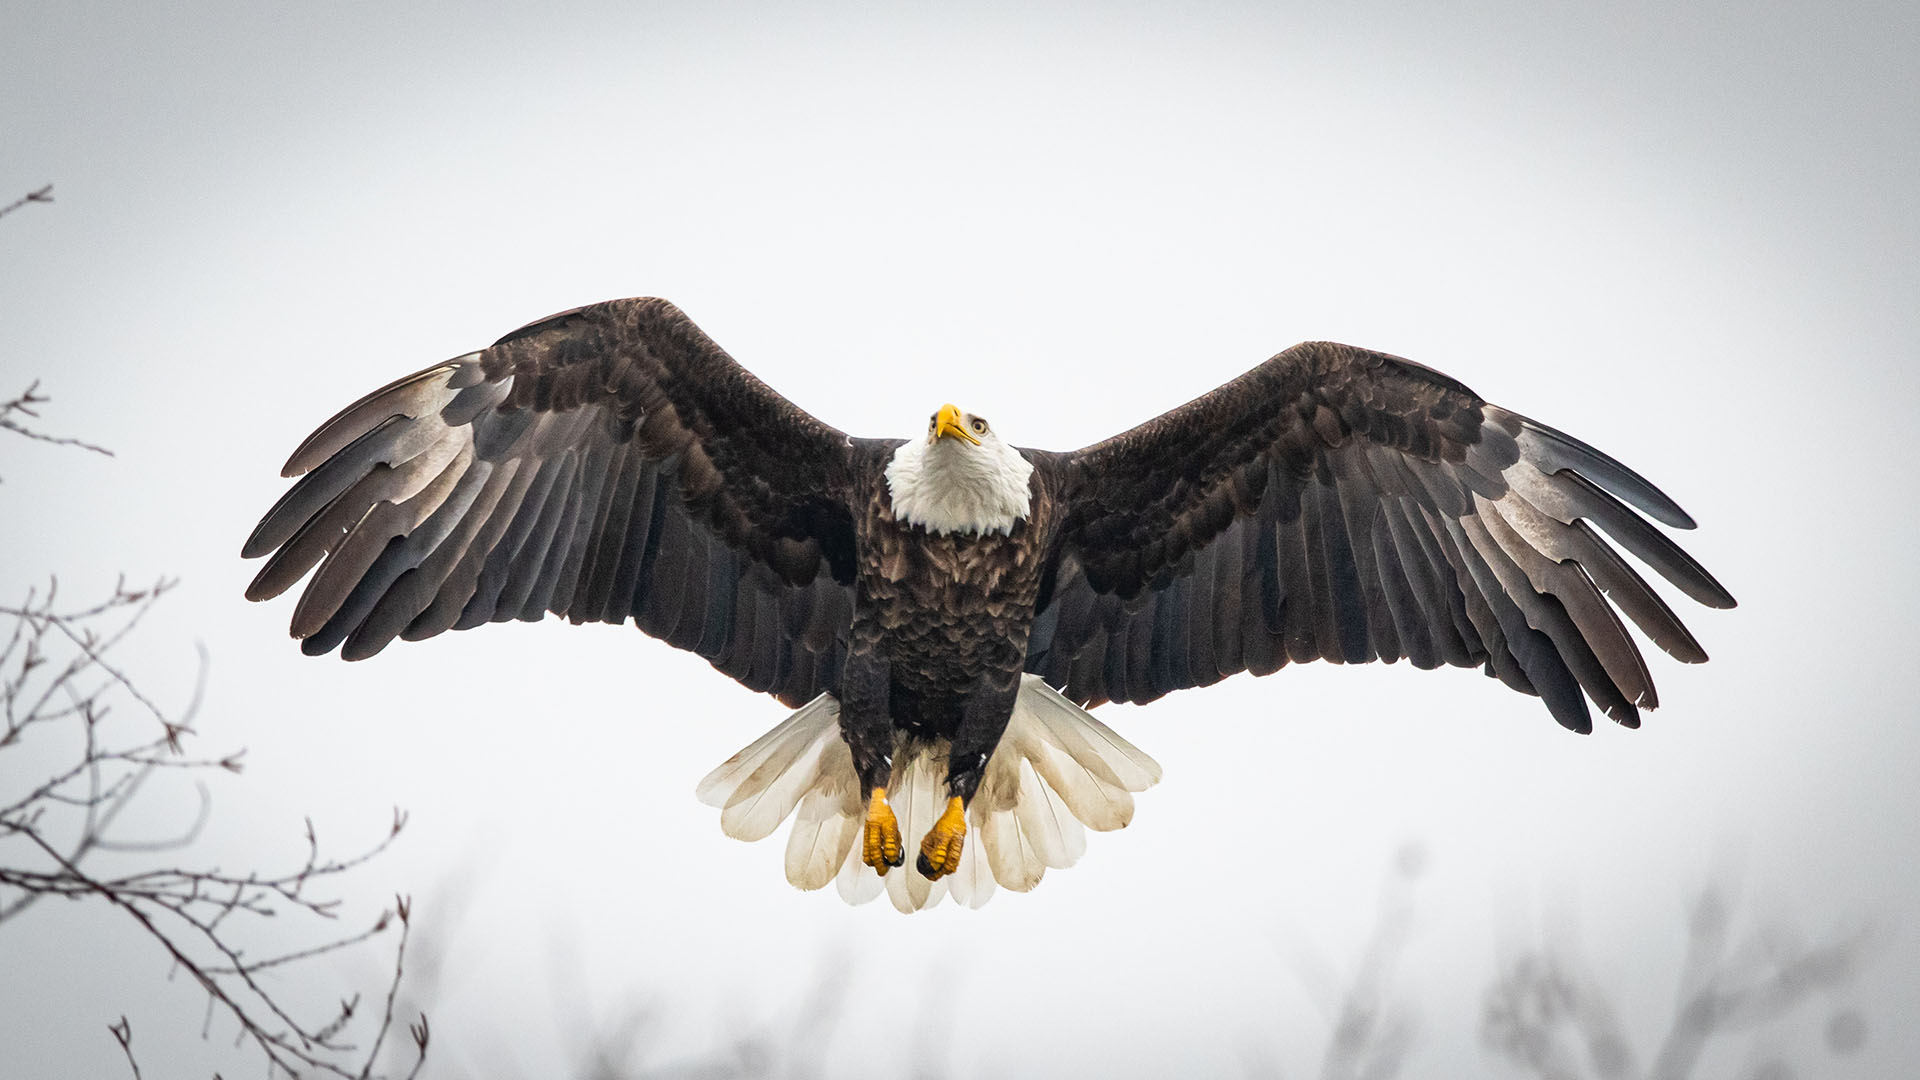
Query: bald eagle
942	610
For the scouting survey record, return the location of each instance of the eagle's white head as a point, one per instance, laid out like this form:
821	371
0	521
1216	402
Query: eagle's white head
961	478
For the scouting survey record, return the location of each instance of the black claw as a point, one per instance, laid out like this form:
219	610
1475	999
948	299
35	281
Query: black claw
926	868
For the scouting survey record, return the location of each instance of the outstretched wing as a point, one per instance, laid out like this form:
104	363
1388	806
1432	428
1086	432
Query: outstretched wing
606	463
1340	504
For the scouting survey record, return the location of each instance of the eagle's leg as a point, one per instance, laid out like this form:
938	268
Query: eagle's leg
880	845
982	722
867	725
940	849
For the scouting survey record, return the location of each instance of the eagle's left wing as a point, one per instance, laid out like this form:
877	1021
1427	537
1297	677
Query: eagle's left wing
1340	504
607	463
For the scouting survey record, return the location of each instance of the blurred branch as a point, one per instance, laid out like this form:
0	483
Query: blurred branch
1548	1015
798	1052
44	195
1373	1028
625	1043
1756	984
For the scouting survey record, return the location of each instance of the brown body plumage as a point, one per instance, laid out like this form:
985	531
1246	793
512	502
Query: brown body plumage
945	611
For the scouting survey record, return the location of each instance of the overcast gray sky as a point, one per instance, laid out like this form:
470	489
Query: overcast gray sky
1685	233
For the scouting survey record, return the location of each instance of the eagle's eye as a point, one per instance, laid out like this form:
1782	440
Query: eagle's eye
979	426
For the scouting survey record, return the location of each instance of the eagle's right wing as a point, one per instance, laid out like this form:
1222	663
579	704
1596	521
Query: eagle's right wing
605	463
1341	504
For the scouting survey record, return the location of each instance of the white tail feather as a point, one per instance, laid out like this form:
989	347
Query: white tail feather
1056	773
856	881
805	724
758	787
916	797
972	883
826	826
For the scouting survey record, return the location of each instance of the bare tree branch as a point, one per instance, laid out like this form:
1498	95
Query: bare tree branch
59	681
61	691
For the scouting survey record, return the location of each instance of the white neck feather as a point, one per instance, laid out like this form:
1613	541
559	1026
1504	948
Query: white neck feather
948	486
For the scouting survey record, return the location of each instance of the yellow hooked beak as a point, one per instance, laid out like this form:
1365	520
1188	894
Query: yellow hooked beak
947	422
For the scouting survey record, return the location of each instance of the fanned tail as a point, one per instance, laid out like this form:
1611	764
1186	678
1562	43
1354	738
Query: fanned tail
1056	773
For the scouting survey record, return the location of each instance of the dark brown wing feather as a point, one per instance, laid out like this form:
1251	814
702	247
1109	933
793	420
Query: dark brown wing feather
1346	505
608	463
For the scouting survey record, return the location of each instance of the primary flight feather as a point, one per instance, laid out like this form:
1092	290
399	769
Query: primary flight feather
942	610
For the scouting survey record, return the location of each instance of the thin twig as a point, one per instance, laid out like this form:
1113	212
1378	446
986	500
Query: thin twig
44	195
403	906
123	1034
24	406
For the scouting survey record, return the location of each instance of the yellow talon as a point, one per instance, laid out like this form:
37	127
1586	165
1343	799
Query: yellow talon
880	848
940	851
